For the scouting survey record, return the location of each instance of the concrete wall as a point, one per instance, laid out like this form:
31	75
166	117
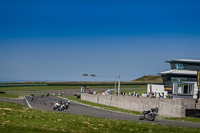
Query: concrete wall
167	107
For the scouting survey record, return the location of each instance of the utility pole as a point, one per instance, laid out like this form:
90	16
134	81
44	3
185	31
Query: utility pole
119	82
111	76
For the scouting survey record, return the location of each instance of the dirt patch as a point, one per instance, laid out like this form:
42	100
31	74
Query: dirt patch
6	109
21	97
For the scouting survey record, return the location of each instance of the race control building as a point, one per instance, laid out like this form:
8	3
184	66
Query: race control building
180	81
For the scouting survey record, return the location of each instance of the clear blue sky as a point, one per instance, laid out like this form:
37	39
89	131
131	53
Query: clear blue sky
60	40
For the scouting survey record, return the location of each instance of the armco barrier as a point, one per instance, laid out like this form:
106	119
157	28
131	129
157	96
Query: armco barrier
167	107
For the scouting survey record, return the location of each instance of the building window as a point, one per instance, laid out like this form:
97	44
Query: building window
183	88
179	66
180	90
185	66
173	66
191	88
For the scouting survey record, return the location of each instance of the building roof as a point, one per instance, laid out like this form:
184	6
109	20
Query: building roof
184	61
179	72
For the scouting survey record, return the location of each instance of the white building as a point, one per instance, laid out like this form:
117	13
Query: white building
180	82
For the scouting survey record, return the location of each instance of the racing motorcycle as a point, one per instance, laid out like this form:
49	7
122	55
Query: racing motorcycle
57	105
63	106
150	114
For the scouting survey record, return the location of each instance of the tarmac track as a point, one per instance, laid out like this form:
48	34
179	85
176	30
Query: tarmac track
46	103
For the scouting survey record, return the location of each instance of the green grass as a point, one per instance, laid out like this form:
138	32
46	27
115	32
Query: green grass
9	95
152	79
38	88
46	88
184	119
121	86
15	118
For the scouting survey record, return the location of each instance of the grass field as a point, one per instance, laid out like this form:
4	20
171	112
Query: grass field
46	88
38	88
184	119
15	118
9	95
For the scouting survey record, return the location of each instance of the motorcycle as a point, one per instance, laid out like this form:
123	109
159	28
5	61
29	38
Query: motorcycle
32	96
63	106
57	105
150	114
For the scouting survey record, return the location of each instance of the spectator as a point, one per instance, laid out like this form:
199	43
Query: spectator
32	96
123	93
158	96
134	94
137	94
151	95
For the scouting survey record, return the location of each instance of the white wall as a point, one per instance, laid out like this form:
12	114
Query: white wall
158	89
195	91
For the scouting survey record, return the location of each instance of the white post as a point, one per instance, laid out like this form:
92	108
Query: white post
115	84
119	83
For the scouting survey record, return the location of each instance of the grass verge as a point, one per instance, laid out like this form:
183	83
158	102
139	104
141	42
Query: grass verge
17	118
38	88
9	95
184	119
47	88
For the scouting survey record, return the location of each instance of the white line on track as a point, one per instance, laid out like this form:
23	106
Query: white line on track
27	102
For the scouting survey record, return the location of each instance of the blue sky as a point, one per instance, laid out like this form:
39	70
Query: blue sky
61	40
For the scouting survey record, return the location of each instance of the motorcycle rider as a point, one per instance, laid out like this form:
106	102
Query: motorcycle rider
150	114
32	96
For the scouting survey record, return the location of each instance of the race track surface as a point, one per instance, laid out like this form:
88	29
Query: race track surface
46	103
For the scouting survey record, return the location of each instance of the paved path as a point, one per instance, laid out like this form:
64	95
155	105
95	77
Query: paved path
45	103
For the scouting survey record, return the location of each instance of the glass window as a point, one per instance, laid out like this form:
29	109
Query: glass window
191	89
180	88
185	89
185	66
173	66
179	66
